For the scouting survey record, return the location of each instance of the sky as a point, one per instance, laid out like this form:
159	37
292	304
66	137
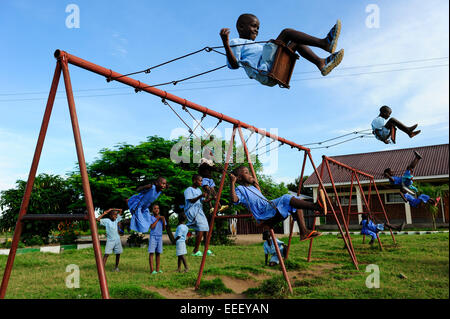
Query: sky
396	54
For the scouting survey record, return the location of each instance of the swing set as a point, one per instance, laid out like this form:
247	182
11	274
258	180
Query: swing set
62	66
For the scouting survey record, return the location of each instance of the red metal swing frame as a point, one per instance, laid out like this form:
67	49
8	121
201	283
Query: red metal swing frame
63	60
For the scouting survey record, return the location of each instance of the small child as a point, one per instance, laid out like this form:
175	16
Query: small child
193	209
269	213
139	204
385	131
371	229
257	60
205	170
113	243
269	249
180	239
155	243
406	181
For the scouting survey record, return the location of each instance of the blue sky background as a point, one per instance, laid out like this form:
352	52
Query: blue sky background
132	35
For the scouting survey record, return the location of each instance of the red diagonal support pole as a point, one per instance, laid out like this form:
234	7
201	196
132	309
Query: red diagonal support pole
85	181
30	182
216	207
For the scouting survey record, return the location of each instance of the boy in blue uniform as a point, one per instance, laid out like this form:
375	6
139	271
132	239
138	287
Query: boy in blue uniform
155	244
385	131
257	60
406	181
269	213
421	199
369	228
139	204
193	209
180	242
269	249
113	243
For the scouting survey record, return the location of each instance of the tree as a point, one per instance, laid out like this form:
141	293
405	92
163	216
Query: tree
293	187
434	191
51	194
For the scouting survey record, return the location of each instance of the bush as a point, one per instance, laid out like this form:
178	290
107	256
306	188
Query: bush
136	240
35	240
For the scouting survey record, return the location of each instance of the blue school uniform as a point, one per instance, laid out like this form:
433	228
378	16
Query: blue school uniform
406	180
261	208
208	182
371	229
415	202
113	243
253	57
270	250
155	243
182	231
140	221
379	130
194	211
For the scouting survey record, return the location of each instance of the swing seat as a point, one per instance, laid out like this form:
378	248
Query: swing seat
283	64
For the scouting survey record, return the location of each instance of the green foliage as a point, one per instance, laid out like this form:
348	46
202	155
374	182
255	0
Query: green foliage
51	194
136	240
34	241
434	191
213	287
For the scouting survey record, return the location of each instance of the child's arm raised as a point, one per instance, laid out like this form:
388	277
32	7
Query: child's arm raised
234	197
224	34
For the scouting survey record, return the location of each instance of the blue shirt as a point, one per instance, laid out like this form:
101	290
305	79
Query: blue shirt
255	202
158	230
249	56
192	209
182	231
111	227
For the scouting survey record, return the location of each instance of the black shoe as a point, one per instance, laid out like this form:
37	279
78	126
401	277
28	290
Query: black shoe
417	155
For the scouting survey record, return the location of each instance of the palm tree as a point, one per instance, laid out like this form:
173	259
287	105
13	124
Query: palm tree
434	191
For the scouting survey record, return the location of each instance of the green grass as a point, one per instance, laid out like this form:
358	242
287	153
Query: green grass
423	259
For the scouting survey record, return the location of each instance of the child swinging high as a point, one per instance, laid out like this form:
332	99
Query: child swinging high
269	213
257	60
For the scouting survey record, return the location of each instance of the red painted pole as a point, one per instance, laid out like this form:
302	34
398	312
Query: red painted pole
30	182
216	206
384	211
351	253
347	234
280	258
85	180
291	220
165	95
350	200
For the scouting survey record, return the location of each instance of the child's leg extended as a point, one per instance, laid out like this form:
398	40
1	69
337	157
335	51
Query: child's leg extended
409	130
150	261
417	158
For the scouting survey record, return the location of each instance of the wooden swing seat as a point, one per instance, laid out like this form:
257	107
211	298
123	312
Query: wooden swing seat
283	64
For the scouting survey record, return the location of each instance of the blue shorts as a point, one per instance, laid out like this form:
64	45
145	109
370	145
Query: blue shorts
208	182
198	222
267	57
382	133
113	246
155	245
181	247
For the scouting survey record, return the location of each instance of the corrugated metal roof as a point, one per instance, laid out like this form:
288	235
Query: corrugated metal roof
435	162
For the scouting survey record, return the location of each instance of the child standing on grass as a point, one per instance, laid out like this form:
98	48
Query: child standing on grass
193	208
180	239
155	244
113	243
257	60
139	204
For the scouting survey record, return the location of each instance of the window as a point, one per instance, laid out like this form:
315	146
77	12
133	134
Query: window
344	201
394	198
